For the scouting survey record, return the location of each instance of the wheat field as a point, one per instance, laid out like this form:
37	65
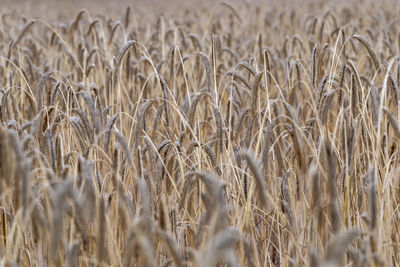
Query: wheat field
191	133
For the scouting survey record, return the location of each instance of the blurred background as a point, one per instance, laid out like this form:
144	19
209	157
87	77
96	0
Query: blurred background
61	9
